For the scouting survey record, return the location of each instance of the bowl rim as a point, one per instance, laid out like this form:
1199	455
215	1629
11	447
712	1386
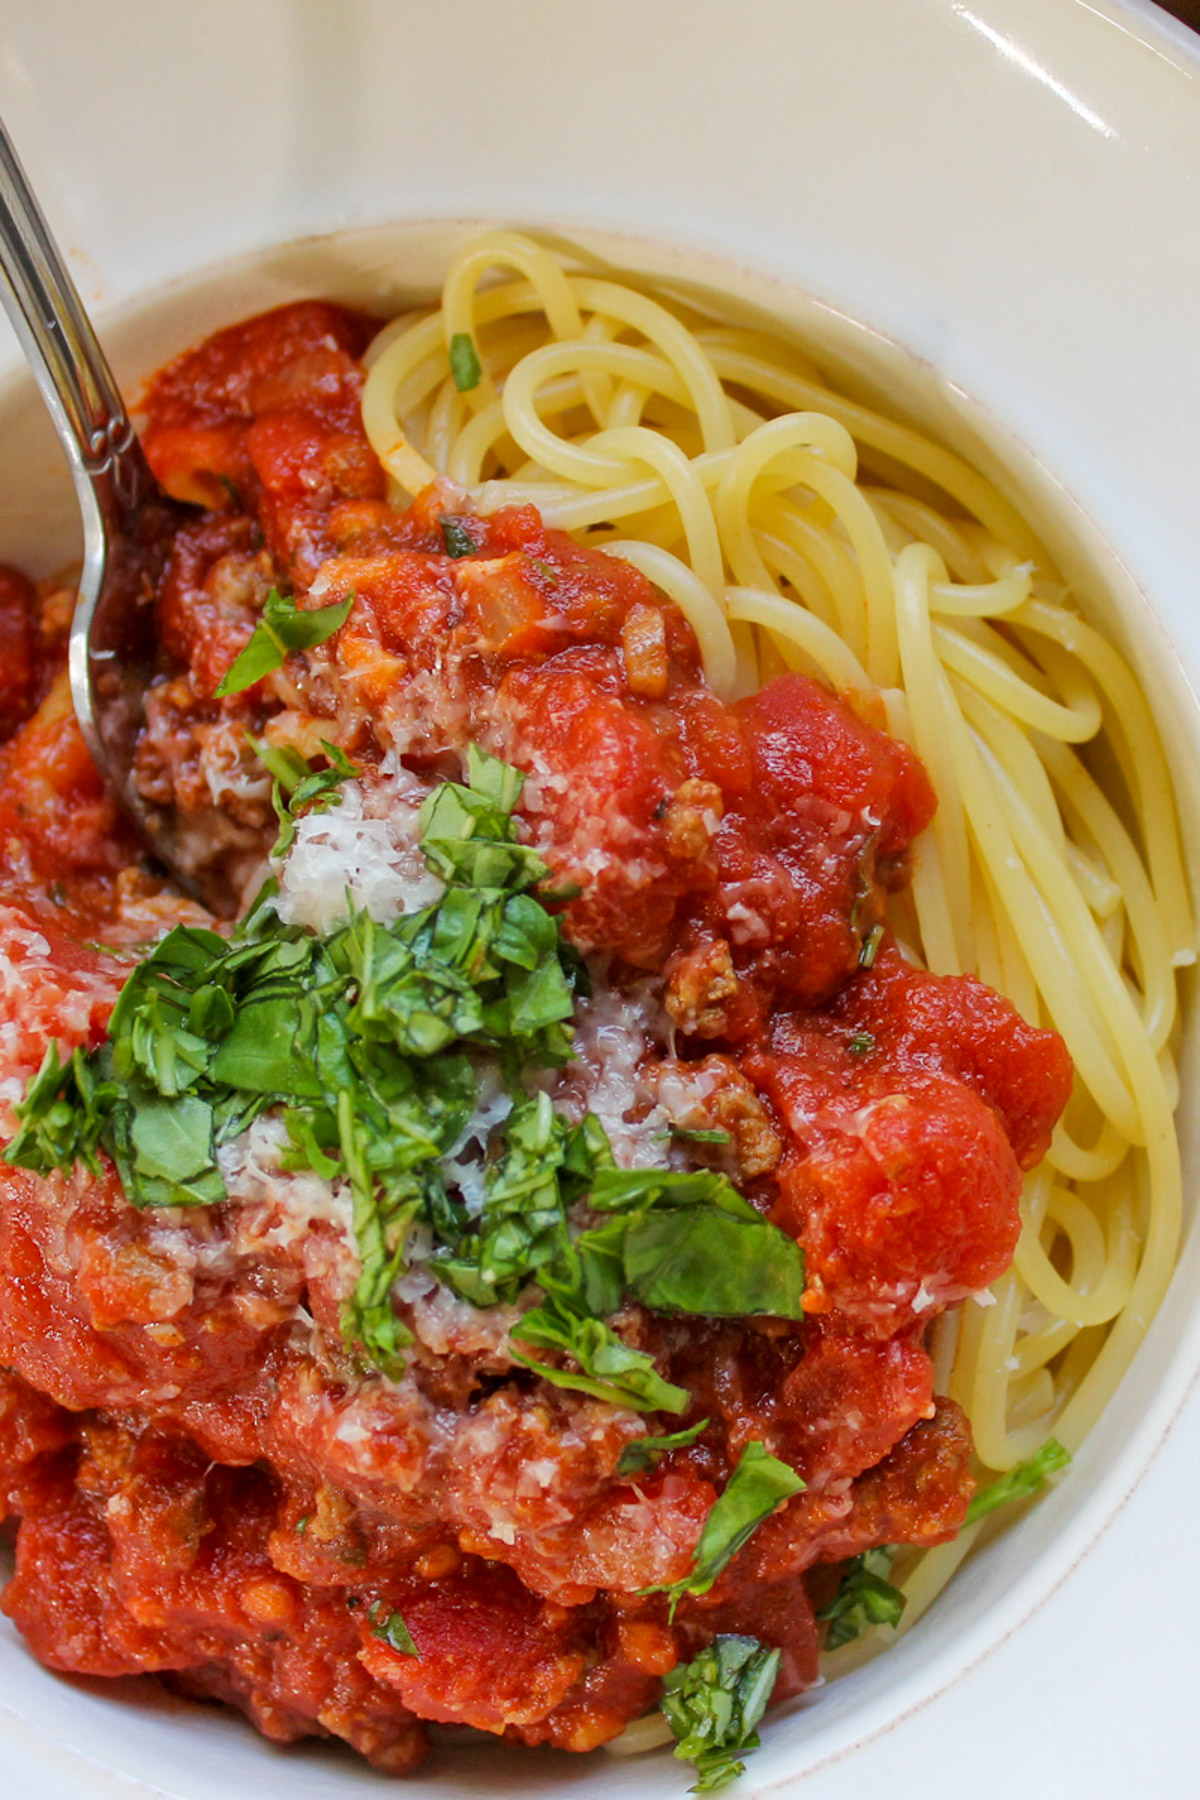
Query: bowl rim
1176	1380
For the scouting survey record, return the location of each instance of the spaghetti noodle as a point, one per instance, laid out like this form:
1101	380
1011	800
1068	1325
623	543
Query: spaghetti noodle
719	463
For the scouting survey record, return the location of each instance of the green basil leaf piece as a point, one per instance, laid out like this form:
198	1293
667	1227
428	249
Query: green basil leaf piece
1019	1483
706	1262
164	1150
467	833
283	627
759	1484
391	1630
298	788
269	1048
624	1190
714	1703
609	1369
465	366
587	1276
642	1453
172	1140
455	536
61	1116
371	1319
865	1597
870	947
544	1166
407	997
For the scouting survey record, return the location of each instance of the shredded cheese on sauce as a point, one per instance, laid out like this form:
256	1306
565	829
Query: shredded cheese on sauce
362	852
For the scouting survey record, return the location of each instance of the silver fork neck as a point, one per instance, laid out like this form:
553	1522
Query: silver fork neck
56	334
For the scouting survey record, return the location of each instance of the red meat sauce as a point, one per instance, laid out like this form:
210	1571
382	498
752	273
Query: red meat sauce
204	1486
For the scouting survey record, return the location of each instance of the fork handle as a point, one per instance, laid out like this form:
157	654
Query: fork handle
56	335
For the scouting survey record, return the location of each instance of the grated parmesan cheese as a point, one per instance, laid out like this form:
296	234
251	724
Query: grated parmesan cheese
621	1037
364	850
616	1031
465	1166
280	1207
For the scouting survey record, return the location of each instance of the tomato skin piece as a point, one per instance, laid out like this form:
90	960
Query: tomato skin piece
815	834
57	819
805	741
912	1103
301	354
713	742
605	779
904	1202
897	1019
266	414
962	1027
490	1654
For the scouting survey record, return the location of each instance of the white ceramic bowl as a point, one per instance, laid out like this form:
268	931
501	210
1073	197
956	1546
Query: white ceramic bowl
1005	189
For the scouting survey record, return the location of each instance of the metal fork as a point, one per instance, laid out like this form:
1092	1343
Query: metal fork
128	521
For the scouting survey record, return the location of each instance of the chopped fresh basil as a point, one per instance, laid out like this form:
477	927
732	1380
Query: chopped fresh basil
380	1231
391	1630
298	788
686	1135
282	628
523	1222
672	1253
703	1261
60	1116
714	1703
1019	1483
692	1244
359	1035
864	1598
870	947
628	1190
456	537
642	1453
610	1370
861	1042
464	362
758	1485
468	835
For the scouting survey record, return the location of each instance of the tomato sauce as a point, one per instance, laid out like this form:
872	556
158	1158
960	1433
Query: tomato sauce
206	1488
